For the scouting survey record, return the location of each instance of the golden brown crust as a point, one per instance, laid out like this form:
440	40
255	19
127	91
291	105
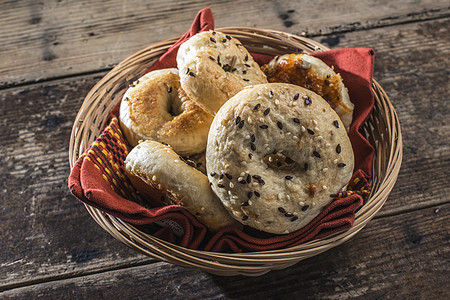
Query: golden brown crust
311	73
157	108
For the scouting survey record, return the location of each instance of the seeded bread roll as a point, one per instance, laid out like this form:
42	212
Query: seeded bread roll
214	67
276	153
155	107
159	167
312	73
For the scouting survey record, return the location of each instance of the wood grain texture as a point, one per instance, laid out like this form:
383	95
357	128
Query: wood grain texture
47	234
42	40
397	257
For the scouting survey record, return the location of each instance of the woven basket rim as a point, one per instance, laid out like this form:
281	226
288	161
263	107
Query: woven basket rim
248	263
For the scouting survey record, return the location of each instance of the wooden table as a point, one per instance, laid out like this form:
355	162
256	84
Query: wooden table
53	52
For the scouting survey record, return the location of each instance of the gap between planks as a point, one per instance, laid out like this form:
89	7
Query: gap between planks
416	17
72	275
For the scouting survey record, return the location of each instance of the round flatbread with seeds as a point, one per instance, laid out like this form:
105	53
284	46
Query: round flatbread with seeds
276	153
214	67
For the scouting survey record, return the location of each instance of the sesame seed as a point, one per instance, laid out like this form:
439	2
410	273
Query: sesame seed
336	123
303	129
325	169
187	71
246	57
249	195
198	165
257	194
212	58
245	203
244	72
241	124
169	90
228	37
257	177
266	112
316	154
250	155
221	176
192	74
244	218
231	185
305	166
296	120
310	131
214	33
324	187
341	165
275	151
253	146
270	94
296	96
253	138
245	79
221	186
213	174
247	65
228	176
154	178
277	102
237	44
334	195
338	148
238	119
288	160
243	181
249	178
212	39
288	215
280	125
224	40
281	210
260	181
308	101
288	177
295	218
263	126
305	208
257	106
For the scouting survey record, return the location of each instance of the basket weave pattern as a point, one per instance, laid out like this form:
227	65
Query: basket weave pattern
382	129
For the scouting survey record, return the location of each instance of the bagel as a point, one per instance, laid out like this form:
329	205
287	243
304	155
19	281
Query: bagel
159	167
214	67
155	107
276	154
312	73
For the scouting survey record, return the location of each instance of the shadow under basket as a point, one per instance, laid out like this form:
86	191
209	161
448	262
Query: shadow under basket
382	129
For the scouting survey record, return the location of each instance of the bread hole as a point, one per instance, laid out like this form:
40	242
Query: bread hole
279	161
173	103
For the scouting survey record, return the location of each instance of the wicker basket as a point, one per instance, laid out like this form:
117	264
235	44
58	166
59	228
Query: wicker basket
382	130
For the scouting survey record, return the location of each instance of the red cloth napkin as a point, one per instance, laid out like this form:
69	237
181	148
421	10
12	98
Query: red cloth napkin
98	177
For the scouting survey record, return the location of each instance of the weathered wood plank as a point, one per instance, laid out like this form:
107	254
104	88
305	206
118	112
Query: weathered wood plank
51	39
397	257
47	234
